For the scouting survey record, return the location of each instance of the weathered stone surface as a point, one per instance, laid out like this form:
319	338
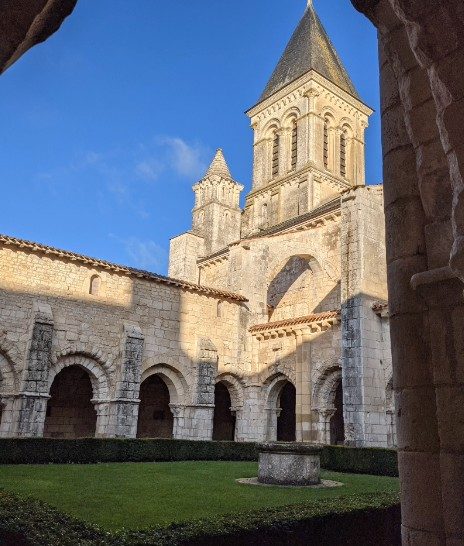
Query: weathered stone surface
289	291
423	84
25	23
289	464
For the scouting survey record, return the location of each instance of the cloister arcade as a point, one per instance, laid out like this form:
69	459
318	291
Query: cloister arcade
80	393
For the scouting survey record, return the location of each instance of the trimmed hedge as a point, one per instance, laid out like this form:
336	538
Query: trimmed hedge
362	521
360	460
98	450
106	450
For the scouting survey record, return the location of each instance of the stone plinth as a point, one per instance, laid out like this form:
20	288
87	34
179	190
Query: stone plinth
289	463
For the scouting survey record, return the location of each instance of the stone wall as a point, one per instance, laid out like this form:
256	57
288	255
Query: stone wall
132	328
364	340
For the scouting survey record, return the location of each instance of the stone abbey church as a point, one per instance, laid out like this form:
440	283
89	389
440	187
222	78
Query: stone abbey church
273	322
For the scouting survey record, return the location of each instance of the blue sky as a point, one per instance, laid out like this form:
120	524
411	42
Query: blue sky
106	126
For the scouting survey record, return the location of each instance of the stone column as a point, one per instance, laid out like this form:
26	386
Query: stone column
260	171
333	147
252	418
314	140
31	403
102	409
286	149
125	407
325	416
304	419
178	426
271	429
359	171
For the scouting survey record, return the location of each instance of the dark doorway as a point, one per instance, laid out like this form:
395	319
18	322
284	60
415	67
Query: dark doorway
286	422
224	420
337	424
155	417
70	412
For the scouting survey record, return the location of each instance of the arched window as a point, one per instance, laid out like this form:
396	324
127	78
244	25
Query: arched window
294	145
326	143
343	154
95	285
219	309
275	154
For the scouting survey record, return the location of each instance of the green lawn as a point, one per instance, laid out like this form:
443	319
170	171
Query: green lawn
140	495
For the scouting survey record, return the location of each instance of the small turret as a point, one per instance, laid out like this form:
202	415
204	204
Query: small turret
216	221
216	216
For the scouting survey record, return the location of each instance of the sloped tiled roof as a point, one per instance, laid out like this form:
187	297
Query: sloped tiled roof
309	48
95	262
308	319
219	166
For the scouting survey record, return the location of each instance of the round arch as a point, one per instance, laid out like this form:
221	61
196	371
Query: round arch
328	403
235	387
302	250
295	285
290	116
271	126
172	377
280	404
272	387
325	387
98	375
328	114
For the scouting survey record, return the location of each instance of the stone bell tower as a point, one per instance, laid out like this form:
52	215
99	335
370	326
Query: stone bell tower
308	128
215	224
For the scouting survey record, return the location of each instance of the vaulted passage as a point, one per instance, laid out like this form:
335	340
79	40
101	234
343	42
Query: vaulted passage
70	412
337	424
286	421
155	417
224	420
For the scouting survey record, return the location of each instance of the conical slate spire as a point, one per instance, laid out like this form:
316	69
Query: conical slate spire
219	166
309	49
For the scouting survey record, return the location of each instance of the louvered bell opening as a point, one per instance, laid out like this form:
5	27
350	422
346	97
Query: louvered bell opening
294	146
275	155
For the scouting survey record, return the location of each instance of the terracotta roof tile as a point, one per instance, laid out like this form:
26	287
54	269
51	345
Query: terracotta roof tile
308	319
